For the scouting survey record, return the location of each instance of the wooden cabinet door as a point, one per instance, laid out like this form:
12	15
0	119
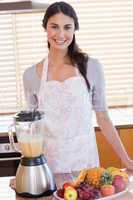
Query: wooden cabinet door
107	155
126	136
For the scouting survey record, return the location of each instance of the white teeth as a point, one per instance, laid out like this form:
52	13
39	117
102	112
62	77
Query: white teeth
59	41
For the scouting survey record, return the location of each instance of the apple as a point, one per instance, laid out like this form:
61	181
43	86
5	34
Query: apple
70	193
107	190
67	184
119	183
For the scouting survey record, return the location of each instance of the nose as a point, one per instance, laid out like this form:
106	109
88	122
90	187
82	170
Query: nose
61	33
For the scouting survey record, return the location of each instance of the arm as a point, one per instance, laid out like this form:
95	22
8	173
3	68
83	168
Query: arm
29	88
113	138
96	78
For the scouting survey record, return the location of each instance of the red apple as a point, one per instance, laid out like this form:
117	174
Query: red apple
107	190
119	183
70	193
67	184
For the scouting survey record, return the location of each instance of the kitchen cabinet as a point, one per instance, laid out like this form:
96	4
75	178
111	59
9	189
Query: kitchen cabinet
126	136
107	155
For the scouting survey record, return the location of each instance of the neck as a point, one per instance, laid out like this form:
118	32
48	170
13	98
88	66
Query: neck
57	58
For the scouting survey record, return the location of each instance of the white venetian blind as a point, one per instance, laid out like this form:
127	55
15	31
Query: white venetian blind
23	43
106	32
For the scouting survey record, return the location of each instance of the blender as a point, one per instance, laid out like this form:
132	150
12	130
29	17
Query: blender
33	177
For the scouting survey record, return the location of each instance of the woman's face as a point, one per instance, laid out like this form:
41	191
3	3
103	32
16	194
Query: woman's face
60	30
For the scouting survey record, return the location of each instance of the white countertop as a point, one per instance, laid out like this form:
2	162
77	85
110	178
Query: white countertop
6	193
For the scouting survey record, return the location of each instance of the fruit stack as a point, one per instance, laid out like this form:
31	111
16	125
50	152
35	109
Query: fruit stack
94	183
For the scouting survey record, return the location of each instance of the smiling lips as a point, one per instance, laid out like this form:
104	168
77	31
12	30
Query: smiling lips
60	42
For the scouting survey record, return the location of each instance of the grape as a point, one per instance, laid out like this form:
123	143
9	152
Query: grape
97	193
87	192
84	195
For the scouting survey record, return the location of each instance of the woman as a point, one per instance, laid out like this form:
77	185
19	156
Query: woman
67	85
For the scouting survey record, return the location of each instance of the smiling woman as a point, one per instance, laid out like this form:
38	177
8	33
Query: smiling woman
70	84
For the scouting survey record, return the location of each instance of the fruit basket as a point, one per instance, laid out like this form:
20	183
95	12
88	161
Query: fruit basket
95	183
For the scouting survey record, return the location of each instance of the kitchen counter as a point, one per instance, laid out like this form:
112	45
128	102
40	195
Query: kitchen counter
6	193
121	117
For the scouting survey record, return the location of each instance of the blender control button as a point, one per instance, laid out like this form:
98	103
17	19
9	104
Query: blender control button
7	147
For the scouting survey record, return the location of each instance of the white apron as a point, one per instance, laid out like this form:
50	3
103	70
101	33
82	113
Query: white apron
69	137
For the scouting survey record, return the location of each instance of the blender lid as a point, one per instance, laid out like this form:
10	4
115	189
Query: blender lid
25	116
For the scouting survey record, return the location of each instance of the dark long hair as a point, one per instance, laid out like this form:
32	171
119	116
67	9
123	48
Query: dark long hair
76	55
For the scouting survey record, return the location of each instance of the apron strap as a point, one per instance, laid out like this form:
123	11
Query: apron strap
42	83
45	70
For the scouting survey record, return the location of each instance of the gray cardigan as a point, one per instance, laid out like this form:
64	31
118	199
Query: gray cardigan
95	76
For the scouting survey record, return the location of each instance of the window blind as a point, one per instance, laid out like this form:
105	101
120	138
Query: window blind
106	32
22	42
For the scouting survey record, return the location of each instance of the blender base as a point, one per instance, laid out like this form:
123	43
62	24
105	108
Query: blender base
34	170
28	195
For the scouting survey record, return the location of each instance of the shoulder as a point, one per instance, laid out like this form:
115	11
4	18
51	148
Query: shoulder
94	64
29	73
31	80
34	72
29	70
95	71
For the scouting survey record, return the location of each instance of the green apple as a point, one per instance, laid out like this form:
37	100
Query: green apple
70	193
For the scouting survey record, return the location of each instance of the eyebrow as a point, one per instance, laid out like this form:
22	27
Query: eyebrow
64	25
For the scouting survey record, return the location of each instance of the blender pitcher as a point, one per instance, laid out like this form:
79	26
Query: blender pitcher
29	132
33	177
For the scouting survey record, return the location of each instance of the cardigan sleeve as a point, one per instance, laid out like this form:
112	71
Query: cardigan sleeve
29	84
95	76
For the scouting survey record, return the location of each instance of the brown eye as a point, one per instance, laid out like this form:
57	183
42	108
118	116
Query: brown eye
54	27
67	27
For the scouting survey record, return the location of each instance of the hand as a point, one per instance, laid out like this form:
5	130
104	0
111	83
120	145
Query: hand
12	183
129	164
